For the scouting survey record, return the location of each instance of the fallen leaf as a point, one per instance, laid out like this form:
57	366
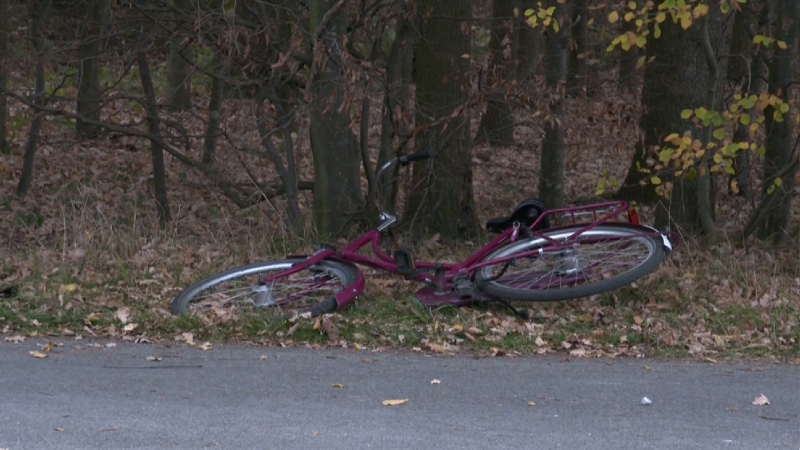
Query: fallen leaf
111	345
647	368
539	341
59	429
47	347
710	360
130	327
531	403
205	346
314	433
497	352
337	385
122	314
36	354
330	329
263	357
401	338
153	358
76	253
395	402
457	328
14	339
435	381
646	401
761	400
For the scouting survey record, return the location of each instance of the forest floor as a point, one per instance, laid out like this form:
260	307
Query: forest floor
90	259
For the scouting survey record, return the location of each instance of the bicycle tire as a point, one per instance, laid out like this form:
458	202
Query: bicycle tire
261	295
609	233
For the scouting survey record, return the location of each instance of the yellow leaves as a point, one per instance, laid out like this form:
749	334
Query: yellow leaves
613	17
686	21
531	403
394	402
781	45
205	346
655	180
660	17
38	354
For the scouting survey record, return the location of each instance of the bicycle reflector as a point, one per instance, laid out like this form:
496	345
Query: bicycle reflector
633	216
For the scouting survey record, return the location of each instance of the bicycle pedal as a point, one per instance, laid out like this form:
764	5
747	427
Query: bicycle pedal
405	262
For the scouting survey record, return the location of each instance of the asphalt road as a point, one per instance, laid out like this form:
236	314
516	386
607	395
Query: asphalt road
239	397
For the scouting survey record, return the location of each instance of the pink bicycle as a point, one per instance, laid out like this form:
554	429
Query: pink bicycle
538	255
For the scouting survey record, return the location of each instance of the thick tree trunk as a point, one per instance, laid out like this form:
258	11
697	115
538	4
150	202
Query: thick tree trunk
527	51
157	153
674	81
628	73
395	116
551	177
88	101
179	70
38	9
496	126
442	200
779	132
5	51
579	50
747	67
337	185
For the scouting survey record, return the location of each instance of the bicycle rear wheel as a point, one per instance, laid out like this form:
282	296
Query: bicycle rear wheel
310	290
605	257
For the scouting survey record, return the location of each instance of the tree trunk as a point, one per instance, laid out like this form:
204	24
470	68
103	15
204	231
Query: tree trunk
442	200
5	50
551	177
337	184
747	67
395	119
38	9
779	132
628	73
579	50
674	81
496	126
179	73
88	101
159	172
527	50
214	110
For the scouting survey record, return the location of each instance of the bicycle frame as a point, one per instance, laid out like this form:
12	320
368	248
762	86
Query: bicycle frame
444	273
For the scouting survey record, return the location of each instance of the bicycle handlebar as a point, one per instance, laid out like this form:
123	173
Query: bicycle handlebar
424	154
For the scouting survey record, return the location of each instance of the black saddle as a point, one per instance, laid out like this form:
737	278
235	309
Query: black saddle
525	213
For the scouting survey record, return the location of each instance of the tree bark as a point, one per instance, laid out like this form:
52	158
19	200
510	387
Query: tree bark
38	10
677	79
442	200
214	110
551	177
628	73
88	101
179	73
5	51
579	50
337	184
779	132
395	117
157	153
496	126
527	51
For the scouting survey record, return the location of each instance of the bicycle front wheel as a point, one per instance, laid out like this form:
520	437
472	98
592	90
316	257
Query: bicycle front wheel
310	290
600	259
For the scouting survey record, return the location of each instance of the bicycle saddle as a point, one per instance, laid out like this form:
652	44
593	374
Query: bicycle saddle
526	212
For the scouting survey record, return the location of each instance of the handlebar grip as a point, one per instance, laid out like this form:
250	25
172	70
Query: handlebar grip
405	159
